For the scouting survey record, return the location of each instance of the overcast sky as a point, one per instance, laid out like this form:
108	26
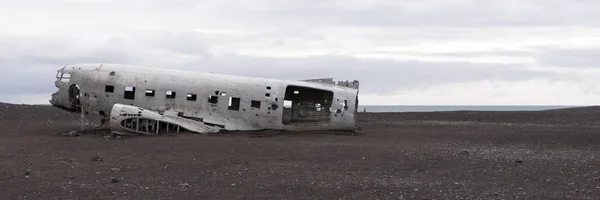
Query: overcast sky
444	52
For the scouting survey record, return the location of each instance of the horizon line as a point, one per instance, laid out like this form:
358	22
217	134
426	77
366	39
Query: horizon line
48	104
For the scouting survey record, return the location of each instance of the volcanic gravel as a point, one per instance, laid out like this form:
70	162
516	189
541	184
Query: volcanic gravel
430	155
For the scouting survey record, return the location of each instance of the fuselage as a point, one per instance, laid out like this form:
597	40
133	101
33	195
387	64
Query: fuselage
229	101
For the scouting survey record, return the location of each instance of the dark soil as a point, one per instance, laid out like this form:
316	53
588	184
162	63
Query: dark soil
439	155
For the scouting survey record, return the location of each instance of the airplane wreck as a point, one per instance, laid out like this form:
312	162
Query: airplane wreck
144	100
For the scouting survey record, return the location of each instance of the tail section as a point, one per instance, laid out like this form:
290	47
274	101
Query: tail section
354	84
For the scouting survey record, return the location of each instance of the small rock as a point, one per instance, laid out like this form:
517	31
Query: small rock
115	169
74	133
519	161
97	158
114	180
233	185
28	172
147	188
184	185
464	153
26	177
71	177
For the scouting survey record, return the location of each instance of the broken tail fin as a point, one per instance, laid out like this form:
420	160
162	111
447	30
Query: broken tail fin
349	84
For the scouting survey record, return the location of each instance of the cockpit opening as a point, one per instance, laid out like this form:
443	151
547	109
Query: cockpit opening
74	93
63	77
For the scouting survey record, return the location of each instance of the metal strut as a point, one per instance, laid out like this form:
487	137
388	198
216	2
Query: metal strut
82	117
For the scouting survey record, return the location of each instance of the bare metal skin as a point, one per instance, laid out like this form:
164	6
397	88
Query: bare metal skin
145	100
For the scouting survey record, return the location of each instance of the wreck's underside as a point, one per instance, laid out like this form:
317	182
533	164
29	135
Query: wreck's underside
141	100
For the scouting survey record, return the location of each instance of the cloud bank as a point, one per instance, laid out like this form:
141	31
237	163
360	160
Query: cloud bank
448	52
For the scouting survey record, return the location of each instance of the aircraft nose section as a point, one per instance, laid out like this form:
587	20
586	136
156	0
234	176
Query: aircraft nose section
67	96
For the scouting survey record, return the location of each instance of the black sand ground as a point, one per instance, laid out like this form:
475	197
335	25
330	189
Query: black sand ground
441	155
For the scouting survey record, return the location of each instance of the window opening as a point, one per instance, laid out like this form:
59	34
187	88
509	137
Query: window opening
234	103
109	88
65	77
149	93
129	92
170	94
213	99
191	97
287	104
255	104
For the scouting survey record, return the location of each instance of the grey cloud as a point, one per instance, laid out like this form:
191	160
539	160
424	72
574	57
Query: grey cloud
33	68
511	53
31	64
304	15
439	13
570	58
376	75
299	15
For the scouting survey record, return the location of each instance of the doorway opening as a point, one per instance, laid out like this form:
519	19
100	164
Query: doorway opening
74	92
306	105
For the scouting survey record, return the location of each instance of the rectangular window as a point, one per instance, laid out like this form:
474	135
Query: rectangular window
109	88
255	104
234	103
213	99
170	94
191	97
287	104
149	93
129	92
65	78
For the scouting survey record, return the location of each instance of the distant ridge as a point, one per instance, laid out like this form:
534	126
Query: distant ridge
24	104
455	108
575	109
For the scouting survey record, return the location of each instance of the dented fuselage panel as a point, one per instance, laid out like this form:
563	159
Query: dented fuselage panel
201	102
